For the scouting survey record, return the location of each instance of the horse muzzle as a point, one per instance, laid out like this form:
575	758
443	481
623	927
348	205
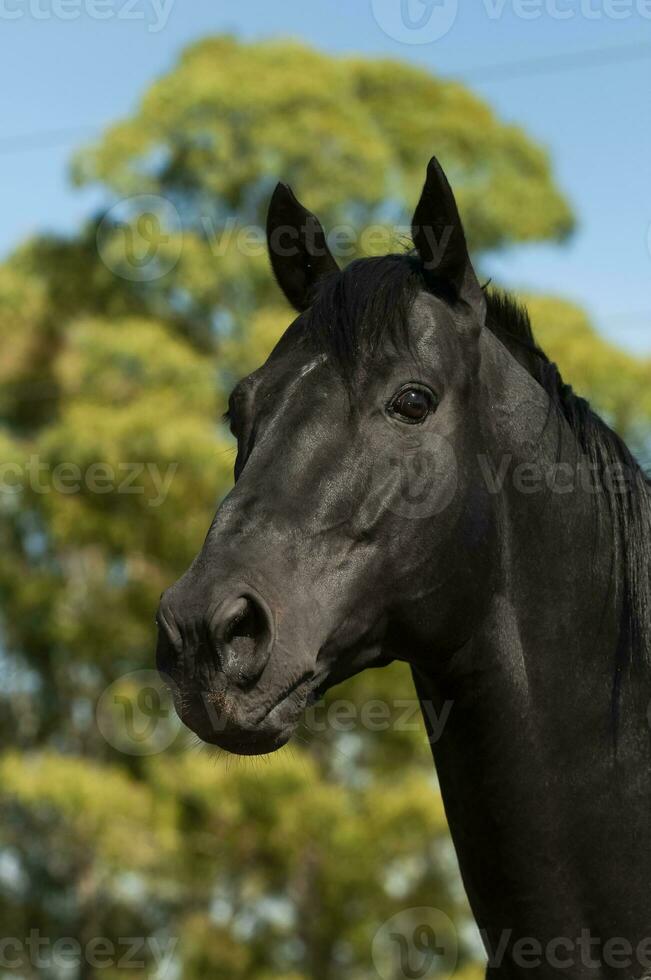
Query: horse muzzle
230	682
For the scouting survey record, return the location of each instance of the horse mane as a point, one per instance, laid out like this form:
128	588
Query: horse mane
369	303
607	453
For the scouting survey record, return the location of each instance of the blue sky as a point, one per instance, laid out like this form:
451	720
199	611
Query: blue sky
64	79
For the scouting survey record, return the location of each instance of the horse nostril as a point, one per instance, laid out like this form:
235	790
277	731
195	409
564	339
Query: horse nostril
243	635
167	626
240	626
169	645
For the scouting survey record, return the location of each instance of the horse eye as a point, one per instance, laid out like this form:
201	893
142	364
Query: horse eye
412	405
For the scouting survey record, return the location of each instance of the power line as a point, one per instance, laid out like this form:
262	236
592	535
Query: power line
45	138
627	315
543	65
555	63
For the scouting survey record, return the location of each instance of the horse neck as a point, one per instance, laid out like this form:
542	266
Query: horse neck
547	814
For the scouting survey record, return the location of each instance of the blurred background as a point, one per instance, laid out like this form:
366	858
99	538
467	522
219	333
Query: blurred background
141	140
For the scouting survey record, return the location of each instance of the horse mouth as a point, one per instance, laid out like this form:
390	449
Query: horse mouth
230	731
251	745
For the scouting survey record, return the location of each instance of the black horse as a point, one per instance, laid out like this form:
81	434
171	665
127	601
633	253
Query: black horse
414	481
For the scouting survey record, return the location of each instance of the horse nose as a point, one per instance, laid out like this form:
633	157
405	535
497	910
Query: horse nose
242	634
169	648
234	642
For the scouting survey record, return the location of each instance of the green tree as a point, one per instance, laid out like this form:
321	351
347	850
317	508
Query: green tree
285	869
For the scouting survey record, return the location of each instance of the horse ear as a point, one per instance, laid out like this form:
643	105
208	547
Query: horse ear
297	247
440	240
